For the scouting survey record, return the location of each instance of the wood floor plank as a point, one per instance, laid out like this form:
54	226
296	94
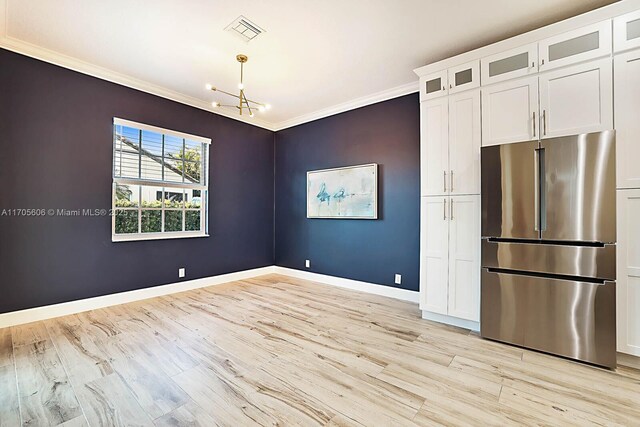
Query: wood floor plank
9	406
108	401
46	397
188	415
29	333
6	347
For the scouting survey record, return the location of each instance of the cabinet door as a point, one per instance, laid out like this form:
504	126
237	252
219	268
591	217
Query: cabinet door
464	142
464	257
510	64
509	111
628	272
434	254
577	99
583	44
626	31
434	146
627	99
464	77
434	85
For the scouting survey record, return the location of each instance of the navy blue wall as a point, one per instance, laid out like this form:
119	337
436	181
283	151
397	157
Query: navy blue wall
56	152
387	133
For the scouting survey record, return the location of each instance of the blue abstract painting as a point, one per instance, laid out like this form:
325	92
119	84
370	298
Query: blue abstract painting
348	193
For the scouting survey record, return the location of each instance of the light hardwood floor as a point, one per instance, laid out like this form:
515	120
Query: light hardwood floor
281	351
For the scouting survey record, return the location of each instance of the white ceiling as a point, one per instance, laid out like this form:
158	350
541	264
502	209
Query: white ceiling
315	54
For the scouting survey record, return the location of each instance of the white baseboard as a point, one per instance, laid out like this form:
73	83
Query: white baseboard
72	307
453	321
56	310
386	291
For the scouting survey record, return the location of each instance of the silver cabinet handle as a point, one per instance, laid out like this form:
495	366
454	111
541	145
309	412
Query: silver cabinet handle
451	178
444	214
533	64
450	86
542	63
445	180
451	213
443	88
544	122
534	123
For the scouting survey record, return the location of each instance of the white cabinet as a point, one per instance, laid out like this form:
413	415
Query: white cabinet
450	144
434	254
464	257
577	99
511	64
464	77
450	256
583	44
464	143
434	85
626	31
434	146
628	272
627	118
509	111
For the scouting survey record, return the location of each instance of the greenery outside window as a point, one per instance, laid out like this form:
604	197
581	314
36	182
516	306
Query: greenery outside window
160	183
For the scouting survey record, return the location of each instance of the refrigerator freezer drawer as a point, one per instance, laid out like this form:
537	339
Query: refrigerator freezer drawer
584	261
568	318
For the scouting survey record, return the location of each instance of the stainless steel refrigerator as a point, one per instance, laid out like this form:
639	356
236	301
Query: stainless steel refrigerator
548	246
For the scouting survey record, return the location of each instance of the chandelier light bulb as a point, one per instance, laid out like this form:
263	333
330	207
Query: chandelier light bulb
268	106
209	86
215	104
261	108
240	86
250	114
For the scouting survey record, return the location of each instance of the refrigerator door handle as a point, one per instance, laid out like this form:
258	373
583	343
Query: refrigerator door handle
536	188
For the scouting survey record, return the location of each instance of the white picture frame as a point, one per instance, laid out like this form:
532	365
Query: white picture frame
349	192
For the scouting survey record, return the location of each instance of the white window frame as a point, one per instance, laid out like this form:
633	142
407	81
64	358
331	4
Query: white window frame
165	185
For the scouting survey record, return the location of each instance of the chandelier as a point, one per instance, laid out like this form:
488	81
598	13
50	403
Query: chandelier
243	102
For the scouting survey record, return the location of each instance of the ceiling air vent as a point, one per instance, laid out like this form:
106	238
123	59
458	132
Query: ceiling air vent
244	29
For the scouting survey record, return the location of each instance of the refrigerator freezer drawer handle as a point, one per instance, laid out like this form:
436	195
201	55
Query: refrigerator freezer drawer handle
444	215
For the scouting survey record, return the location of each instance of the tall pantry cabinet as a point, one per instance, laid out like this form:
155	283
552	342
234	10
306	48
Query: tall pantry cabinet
450	207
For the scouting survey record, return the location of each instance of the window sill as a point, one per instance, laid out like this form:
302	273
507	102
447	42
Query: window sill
155	236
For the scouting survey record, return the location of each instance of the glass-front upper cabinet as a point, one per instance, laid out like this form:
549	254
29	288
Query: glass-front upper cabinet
463	77
434	85
626	31
511	64
579	45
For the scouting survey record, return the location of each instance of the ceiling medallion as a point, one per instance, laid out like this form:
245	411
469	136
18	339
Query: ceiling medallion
243	102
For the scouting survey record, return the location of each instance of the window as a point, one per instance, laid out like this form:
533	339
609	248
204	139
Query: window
160	187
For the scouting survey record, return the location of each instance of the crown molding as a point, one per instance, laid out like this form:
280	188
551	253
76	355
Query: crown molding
363	101
52	57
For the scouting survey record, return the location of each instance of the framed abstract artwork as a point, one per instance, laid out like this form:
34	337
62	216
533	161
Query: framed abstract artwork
347	193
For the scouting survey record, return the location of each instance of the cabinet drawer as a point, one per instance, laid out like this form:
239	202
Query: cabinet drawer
583	44
509	65
463	77
626	31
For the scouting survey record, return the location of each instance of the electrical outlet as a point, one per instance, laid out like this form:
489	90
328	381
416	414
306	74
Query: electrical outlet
181	272
307	263
398	279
